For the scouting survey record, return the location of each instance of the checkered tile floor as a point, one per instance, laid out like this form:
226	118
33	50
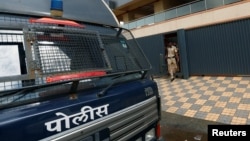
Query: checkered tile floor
220	99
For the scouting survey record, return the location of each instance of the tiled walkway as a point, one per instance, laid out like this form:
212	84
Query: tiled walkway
220	99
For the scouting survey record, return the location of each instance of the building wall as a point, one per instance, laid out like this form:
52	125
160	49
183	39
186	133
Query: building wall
222	14
222	49
212	42
129	10
153	47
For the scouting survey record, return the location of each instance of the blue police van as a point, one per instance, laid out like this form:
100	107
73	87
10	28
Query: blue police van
69	72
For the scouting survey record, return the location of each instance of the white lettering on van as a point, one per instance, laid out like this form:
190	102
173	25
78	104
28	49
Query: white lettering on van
86	113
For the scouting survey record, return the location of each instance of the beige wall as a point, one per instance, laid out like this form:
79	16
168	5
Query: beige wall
218	15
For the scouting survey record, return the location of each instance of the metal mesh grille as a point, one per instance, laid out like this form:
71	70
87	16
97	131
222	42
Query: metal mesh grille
46	50
11	37
67	50
10	85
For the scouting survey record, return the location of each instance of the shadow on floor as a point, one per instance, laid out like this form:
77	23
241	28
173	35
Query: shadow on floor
180	128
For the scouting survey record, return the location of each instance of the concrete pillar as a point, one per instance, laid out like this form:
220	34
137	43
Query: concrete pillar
172	3
125	17
159	6
128	16
162	5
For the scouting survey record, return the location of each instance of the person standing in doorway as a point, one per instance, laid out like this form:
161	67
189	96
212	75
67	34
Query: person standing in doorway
172	58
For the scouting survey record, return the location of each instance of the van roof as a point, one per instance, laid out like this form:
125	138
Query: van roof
93	11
